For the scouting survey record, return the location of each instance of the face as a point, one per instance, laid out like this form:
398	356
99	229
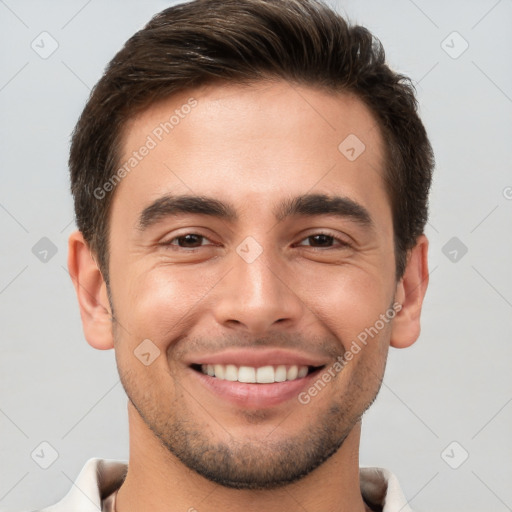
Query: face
247	246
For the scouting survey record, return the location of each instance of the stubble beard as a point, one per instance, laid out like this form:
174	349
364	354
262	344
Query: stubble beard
271	463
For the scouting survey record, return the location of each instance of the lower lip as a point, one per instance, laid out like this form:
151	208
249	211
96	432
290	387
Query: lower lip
256	395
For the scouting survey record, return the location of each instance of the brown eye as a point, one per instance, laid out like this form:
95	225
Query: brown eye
321	240
190	240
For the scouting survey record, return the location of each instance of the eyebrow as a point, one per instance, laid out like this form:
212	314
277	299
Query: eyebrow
189	204
304	205
323	204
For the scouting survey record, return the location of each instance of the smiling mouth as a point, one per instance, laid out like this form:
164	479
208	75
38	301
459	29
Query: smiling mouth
257	375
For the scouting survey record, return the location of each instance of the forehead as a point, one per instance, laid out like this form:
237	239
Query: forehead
252	143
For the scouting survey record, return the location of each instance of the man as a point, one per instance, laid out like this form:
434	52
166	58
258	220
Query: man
250	184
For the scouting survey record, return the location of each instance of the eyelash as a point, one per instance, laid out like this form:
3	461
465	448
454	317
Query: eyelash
342	243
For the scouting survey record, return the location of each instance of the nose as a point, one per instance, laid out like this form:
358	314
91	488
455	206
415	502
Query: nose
258	296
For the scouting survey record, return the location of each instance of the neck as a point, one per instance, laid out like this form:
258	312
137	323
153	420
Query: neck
157	481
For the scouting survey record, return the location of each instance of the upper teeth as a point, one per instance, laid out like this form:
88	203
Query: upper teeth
261	375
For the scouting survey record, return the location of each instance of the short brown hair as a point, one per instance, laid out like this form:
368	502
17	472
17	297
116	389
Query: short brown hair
244	41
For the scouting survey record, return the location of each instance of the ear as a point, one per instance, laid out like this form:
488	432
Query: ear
91	292
410	292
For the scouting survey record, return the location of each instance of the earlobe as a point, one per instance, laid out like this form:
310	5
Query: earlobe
91	292
410	293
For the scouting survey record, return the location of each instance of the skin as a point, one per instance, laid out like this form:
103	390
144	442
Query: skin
252	147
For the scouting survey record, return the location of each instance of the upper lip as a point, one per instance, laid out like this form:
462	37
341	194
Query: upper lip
258	358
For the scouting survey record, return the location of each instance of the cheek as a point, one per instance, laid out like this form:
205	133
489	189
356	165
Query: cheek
350	302
155	305
162	302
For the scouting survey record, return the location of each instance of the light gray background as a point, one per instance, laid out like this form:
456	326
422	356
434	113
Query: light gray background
454	384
